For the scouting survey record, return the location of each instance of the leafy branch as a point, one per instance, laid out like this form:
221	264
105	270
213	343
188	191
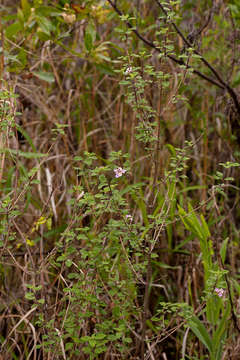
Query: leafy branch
220	83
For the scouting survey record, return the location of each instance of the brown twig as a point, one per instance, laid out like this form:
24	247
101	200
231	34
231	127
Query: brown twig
171	57
225	85
145	305
220	83
233	315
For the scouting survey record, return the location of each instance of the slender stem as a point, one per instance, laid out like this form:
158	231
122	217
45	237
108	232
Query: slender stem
208	65
221	84
146	304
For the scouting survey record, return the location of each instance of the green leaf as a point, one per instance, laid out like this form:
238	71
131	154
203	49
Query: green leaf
142	206
220	333
200	331
13	29
229	164
100	336
171	149
44	11
236	80
164	266
28	155
68	262
236	285
27	137
41	301
29	296
205	228
46	76
223	250
92	342
88	41
26	7
100	350
45	25
192	188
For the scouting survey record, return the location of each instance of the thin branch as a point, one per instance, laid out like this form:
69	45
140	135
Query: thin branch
189	45
171	57
208	65
221	84
146	305
234	317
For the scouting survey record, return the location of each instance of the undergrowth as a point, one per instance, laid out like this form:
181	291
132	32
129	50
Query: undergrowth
119	233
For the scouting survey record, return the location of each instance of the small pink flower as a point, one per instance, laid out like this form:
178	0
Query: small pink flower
119	172
219	292
128	70
129	217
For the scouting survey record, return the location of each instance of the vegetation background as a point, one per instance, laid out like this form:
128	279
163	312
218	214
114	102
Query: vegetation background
119	193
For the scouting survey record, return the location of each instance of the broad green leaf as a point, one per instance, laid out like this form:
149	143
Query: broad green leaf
220	333
46	76
190	221
88	41
27	137
13	29
26	8
205	228
44	24
68	262
92	342
29	296
171	149
200	331
223	250
44	11
100	336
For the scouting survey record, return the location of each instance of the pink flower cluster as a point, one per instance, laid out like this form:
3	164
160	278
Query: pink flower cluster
129	217
119	172
219	292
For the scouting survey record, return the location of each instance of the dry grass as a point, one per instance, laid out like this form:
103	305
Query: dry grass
92	105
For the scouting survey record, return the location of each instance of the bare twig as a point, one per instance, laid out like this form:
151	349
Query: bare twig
220	83
171	57
208	65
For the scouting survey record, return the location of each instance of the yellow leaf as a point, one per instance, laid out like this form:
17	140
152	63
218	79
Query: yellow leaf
100	14
49	223
30	242
40	221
